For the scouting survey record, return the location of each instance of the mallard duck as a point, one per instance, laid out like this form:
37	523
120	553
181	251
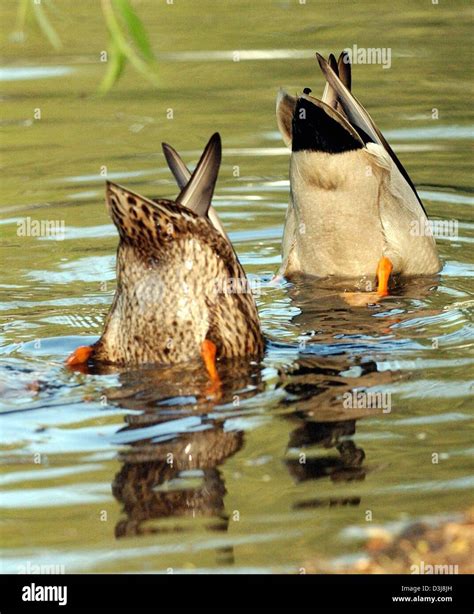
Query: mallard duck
354	211
181	290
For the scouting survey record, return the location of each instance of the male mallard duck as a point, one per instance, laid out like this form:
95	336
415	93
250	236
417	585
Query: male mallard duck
181	290
354	211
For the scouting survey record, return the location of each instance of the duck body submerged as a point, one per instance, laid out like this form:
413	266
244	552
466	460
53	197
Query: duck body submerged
179	282
351	201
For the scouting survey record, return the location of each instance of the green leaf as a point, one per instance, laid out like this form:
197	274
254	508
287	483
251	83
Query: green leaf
128	39
46	26
116	64
146	68
135	28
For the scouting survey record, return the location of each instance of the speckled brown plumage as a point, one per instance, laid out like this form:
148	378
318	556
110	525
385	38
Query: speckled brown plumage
174	270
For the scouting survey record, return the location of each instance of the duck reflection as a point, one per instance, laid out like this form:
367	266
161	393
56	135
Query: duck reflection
318	390
338	327
330	311
176	440
177	437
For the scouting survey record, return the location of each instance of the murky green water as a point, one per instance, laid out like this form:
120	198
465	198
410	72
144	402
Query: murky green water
85	458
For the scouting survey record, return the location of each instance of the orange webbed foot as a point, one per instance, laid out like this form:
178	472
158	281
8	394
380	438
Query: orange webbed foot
208	353
384	270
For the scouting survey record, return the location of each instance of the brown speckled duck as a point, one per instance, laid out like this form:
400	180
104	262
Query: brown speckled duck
354	211
181	290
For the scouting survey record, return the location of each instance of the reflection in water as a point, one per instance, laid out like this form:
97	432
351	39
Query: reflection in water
317	391
177	478
177	442
318	387
175	445
330	310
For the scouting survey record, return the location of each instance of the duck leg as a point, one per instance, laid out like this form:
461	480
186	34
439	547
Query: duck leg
208	353
384	270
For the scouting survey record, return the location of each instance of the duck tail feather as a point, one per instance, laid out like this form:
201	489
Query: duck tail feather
361	119
344	69
329	94
197	193
285	107
176	165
